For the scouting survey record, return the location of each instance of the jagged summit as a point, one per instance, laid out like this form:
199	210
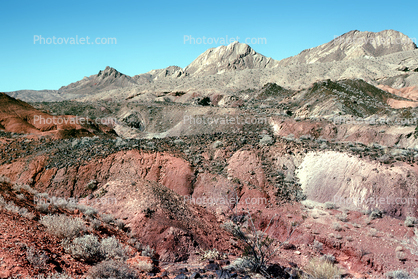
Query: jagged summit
110	72
352	45
235	56
108	78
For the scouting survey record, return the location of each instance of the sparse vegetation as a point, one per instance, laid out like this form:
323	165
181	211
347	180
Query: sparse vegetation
148	252
107	218
210	255
110	270
90	249
398	274
63	226
318	246
329	205
410	221
337	227
36	258
317	269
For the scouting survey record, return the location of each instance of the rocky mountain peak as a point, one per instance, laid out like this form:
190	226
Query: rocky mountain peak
352	45
235	56
109	72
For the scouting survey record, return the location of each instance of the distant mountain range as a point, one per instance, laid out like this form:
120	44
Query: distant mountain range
387	58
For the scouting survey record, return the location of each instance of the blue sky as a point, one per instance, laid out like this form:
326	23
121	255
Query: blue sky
150	34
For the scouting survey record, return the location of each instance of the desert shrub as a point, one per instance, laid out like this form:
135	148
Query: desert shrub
21	197
108	218
86	247
111	270
337	227
25	213
373	232
329	205
210	254
10	206
84	208
18	187
342	217
62	203
317	245
376	213
36	259
230	226
120	224
144	266
398	274
135	243
63	226
328	258
322	270
53	276
95	224
4	179
90	249
43	207
400	255
29	189
410	221
91	212
243	263
111	248
92	185
148	252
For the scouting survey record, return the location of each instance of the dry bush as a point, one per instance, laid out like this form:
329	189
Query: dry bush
342	217
329	205
373	232
398	274
43	207
337	227
410	221
4	179
111	270
36	259
54	276
317	245
90	249
210	255
318	269
63	226
144	266
108	218
328	258
95	224
148	252
111	248
86	247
